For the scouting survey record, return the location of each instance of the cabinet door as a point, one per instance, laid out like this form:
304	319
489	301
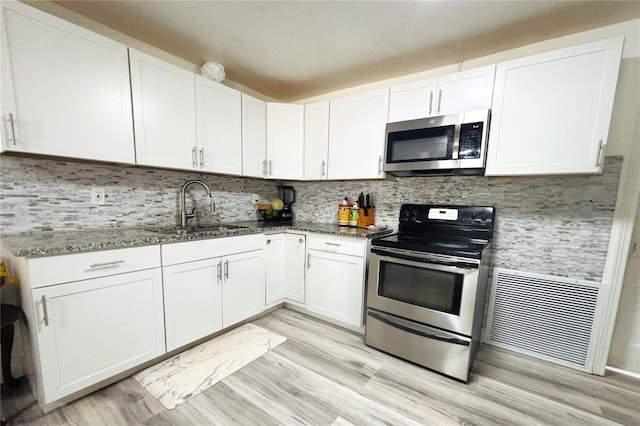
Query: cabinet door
65	90
412	100
192	301
356	135
316	140
219	127
275	268
294	249
551	112
335	286
254	137
243	292
90	330
164	112
285	140
465	91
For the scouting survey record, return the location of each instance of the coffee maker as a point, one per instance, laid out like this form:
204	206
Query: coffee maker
288	196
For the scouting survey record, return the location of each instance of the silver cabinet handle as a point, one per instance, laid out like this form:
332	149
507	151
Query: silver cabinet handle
201	158
379	165
226	269
264	167
324	163
430	102
333	244
45	314
599	153
193	157
439	100
12	137
308	260
114	263
219	268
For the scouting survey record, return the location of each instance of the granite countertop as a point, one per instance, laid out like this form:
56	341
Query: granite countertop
51	243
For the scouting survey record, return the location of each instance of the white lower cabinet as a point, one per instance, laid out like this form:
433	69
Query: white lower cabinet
193	301
85	331
243	289
335	278
294	251
285	268
210	285
274	268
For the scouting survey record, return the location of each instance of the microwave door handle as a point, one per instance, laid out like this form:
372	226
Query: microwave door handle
416	329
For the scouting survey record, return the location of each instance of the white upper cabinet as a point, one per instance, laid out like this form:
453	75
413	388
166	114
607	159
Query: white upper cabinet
412	100
65	90
254	136
551	111
356	135
219	127
285	140
316	140
465	91
164	113
452	93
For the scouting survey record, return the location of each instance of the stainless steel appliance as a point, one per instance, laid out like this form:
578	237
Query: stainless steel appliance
426	286
288	196
447	144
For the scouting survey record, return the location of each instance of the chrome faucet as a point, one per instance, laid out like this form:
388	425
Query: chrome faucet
184	216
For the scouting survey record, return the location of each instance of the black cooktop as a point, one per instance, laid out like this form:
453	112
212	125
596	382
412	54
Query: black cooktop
462	231
450	247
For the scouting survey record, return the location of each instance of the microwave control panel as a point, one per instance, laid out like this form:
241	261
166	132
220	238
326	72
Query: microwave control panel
470	140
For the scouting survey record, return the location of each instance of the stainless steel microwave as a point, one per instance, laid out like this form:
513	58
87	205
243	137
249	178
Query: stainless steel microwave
443	145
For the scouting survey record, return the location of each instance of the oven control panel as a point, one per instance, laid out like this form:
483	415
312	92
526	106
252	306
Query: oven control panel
444	214
476	216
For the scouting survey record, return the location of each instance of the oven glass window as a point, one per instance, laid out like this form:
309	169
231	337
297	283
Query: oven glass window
435	143
422	287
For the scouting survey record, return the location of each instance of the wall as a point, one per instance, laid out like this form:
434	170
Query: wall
625	346
46	194
553	225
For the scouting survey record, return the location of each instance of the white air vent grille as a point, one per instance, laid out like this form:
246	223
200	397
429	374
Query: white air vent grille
543	316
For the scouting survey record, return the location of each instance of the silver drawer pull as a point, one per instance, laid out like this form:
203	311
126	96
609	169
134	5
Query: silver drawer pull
220	271
45	314
333	244
226	269
12	138
115	263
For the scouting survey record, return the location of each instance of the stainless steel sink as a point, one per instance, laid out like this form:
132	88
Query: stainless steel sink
194	229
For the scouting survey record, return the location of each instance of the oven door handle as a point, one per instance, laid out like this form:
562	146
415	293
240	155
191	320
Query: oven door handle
426	259
416	328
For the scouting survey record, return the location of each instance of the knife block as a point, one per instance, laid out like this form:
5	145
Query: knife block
364	221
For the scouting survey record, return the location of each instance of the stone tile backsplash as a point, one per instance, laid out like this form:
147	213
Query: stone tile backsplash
42	194
558	225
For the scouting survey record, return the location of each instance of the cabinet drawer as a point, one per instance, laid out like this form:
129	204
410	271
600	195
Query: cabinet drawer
189	251
350	246
51	270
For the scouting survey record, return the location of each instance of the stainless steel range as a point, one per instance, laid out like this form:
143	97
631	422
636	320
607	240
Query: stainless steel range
427	284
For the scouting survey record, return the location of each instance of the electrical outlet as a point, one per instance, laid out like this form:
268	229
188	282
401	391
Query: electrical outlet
97	196
256	200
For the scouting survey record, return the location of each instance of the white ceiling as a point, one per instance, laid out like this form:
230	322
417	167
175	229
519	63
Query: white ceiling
291	50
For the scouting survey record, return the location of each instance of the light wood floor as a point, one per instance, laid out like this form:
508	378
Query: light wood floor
324	375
